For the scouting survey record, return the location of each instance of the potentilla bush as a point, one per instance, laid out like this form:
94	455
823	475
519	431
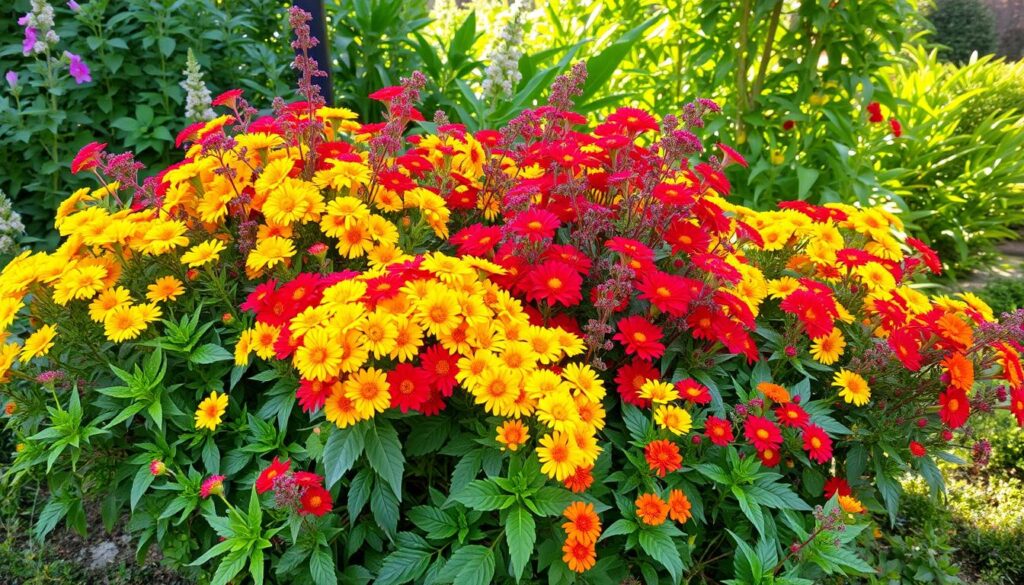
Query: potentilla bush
317	350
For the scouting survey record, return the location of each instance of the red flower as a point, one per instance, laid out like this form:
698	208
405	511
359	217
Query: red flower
687	237
731	155
312	394
555	283
788	125
693	391
718	431
816	311
580	480
675	193
897	128
1017	404
917	449
440	367
931	259
669	293
316	501
277	468
229	98
435	403
631	377
762	433
875	113
476	240
535	224
569	255
837	485
636	253
409	387
791	415
306	479
769	457
955	408
88	157
640	337
817	443
386	94
633	120
663	457
189	134
904	344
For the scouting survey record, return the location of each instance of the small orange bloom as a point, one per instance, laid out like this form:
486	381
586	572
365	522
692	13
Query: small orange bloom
512	434
578	557
663	457
679	506
774	392
580	480
651	509
960	370
583	524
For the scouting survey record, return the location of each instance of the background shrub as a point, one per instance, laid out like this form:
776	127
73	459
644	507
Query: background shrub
963	27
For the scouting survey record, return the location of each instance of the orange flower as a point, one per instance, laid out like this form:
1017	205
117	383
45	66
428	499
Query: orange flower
953	328
679	506
583	524
663	457
651	509
851	505
774	392
580	480
512	434
960	370
578	556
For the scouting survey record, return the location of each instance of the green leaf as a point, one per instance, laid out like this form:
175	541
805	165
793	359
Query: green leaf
484	495
750	509
521	534
384	506
232	564
384	452
210	353
321	566
359	493
51	514
143	479
470	565
343	448
746	564
805	180
434	521
408	562
550	501
657	543
620	526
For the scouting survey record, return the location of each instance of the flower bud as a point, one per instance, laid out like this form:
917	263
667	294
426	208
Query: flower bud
227	318
157	467
10	408
790	351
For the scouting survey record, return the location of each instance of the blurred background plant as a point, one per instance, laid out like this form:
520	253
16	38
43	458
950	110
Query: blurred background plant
963	27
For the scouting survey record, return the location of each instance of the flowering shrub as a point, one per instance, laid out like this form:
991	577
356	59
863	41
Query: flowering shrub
318	350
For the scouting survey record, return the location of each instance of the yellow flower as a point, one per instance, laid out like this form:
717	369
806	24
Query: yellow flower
658	392
270	252
167	288
204	253
79	283
379	333
210	411
8	353
559	455
319	356
339	408
584	379
9	308
354	240
273	174
438	310
263	338
368	391
408	340
854	388
876	277
851	505
243	348
827	349
38	343
290	201
123	323
497	390
163	236
674	419
108	300
558	410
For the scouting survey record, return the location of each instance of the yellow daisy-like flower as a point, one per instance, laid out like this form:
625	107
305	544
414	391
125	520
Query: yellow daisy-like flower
340	409
243	348
167	288
9	308
559	411
202	254
319	356
408	340
512	434
269	253
38	343
658	392
79	283
164	236
827	349
210	411
438	311
584	380
854	388
263	338
559	456
124	323
497	390
108	300
379	333
369	392
673	419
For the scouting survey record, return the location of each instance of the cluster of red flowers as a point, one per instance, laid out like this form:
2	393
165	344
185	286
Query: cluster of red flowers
299	490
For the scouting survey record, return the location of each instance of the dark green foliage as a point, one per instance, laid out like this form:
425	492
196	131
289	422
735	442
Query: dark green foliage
1004	295
963	27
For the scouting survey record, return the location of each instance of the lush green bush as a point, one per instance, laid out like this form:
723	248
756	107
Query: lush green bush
1004	294
963	27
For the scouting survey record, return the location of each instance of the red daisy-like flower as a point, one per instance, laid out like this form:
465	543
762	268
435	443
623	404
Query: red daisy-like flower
386	94
312	394
675	193
904	344
440	367
535	224
276	469
718	431
687	237
875	113
852	257
897	128
569	255
633	120
316	501
669	293
917	449
88	157
769	457
817	312
1017	404
476	240
663	457
791	415
631	377
434	404
955	408
189	134
631	250
229	98
640	337
836	485
930	257
555	283
260	298
581	479
731	155
762	433
409	387
693	391
817	443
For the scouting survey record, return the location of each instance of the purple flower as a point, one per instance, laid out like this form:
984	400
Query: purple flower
12	79
30	40
74	6
79	70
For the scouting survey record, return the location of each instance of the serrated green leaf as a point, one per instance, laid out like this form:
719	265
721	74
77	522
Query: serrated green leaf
521	535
